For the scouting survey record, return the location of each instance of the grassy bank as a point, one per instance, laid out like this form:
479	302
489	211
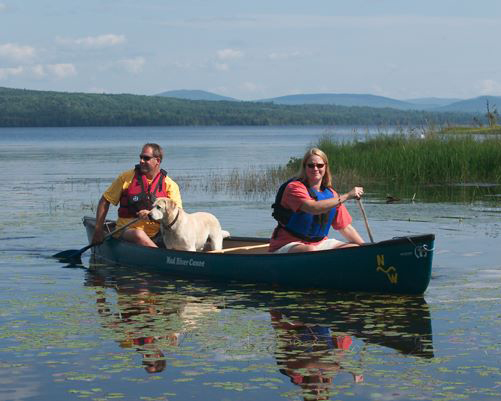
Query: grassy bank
451	168
472	130
428	167
408	159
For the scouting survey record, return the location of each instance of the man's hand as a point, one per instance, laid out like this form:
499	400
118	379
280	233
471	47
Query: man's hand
98	237
143	214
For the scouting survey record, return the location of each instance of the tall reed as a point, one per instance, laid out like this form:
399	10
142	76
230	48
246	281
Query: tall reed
422	159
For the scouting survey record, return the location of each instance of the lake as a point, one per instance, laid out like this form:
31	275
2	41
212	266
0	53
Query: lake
110	333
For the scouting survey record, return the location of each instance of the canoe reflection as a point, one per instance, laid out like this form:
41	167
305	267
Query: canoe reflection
311	355
316	334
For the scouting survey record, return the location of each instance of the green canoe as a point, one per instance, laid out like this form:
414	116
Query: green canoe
399	265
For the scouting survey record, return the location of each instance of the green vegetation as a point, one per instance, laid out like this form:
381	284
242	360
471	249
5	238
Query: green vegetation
28	108
472	130
416	159
429	167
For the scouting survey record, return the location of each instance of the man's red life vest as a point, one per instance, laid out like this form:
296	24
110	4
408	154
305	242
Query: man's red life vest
139	195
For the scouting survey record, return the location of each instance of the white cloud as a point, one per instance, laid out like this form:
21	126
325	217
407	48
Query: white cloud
95	89
283	56
93	42
490	87
133	65
229	54
222	66
62	70
8	72
38	71
16	52
250	86
3	7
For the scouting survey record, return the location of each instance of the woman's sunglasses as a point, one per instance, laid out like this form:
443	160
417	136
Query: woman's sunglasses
313	165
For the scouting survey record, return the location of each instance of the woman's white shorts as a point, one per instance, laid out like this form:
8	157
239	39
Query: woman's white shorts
329	243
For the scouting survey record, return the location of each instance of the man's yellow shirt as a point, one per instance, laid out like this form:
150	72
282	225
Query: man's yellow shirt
114	193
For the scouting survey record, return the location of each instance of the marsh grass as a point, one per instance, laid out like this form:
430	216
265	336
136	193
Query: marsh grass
413	164
426	158
496	130
250	181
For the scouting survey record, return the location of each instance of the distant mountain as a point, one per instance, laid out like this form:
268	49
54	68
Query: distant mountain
343	99
195	95
432	102
475	105
31	108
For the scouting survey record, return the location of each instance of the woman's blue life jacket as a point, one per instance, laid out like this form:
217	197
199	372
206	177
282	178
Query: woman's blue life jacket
306	226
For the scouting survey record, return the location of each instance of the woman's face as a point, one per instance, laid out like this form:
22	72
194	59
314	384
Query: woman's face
315	169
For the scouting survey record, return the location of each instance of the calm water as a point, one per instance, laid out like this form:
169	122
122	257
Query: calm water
71	333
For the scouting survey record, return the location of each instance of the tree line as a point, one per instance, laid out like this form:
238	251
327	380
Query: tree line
29	108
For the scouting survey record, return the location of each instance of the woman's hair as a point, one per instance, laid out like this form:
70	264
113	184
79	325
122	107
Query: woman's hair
327	178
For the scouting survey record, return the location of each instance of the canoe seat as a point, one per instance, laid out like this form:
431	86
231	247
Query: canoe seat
244	249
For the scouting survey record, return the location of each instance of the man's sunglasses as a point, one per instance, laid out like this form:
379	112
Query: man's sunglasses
313	165
146	158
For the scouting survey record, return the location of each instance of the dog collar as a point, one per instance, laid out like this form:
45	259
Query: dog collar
168	226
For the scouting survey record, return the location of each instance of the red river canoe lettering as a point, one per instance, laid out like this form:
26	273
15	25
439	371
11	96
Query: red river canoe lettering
184	262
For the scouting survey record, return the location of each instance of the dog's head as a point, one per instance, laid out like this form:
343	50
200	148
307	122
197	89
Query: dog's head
163	207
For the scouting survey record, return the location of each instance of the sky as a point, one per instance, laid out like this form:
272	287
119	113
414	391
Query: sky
255	49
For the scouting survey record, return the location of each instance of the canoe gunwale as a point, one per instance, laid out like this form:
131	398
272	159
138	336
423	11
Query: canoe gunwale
401	265
384	243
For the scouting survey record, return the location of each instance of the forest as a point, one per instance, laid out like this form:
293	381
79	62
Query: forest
30	108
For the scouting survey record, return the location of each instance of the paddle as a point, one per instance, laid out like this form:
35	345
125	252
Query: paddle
359	201
73	255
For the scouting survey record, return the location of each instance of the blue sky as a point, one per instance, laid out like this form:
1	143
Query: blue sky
253	49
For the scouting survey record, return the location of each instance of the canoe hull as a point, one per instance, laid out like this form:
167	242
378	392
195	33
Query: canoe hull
401	265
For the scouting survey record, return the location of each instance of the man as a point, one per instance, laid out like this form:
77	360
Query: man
135	191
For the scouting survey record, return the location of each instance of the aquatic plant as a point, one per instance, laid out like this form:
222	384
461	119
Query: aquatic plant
425	158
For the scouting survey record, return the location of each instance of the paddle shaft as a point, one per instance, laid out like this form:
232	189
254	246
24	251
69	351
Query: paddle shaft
116	230
364	215
72	254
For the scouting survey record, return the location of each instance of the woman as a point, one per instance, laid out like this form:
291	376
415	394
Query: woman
307	206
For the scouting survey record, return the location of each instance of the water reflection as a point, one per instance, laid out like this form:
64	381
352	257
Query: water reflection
312	355
315	336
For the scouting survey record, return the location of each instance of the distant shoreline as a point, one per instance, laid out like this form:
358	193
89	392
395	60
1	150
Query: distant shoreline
28	108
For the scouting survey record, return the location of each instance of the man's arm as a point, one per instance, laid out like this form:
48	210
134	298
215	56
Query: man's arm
173	191
102	210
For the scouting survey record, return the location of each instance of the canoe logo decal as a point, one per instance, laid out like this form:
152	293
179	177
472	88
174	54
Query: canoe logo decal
422	251
390	272
171	260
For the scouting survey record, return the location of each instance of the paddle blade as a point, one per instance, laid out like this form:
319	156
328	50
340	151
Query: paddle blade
73	255
70	255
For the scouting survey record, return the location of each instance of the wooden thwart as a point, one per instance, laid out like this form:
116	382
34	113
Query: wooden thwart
240	248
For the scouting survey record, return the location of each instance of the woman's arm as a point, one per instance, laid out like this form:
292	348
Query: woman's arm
318	207
352	235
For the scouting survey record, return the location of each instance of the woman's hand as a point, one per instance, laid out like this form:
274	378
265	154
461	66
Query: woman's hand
356	193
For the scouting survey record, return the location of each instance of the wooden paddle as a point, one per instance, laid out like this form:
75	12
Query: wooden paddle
73	255
359	201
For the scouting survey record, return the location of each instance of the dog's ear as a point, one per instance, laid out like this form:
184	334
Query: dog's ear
170	205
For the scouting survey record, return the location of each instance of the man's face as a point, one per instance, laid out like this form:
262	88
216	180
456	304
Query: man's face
147	162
